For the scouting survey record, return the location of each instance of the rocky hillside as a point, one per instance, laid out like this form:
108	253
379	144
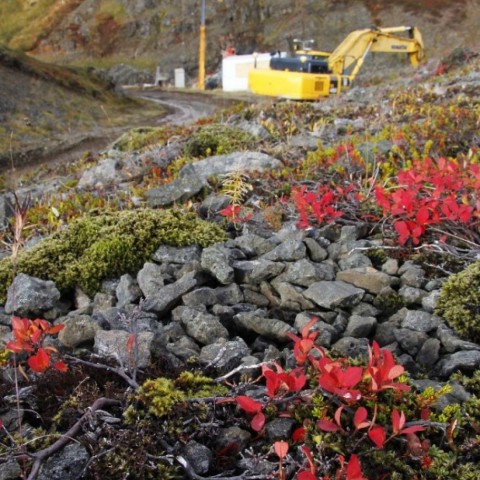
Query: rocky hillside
150	33
283	290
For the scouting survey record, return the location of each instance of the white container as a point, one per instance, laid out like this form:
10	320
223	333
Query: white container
179	77
235	70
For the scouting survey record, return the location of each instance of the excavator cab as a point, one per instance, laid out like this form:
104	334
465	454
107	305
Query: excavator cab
305	59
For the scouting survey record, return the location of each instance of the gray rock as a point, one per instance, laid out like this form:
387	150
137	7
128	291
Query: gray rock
269	327
229	295
291	297
224	355
216	261
413	277
430	301
327	334
315	251
279	429
31	296
304	272
367	278
113	344
354	260
334	294
421	321
101	175
365	309
180	255
465	361
203	327
287	251
410	340
67	464
198	456
384	333
412	295
352	347
167	297
255	298
390	267
184	348
10	470
253	245
429	353
150	279
193	177
360	327
226	437
102	301
78	329
256	271
127	290
451	342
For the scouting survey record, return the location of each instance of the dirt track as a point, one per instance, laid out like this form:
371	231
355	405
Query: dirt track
181	108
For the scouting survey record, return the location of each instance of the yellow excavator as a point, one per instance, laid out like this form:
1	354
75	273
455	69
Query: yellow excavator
310	74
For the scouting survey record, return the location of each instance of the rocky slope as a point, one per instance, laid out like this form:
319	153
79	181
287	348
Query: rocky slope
197	296
166	33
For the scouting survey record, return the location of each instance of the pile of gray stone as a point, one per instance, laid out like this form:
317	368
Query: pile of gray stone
234	303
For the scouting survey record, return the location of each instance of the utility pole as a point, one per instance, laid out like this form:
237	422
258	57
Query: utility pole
201	56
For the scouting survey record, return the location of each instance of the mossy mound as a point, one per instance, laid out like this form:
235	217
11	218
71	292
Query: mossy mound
93	248
141	137
459	302
218	139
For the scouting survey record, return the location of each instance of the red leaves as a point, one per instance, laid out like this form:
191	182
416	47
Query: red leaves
29	337
281	449
398	422
339	379
354	470
378	436
340	386
382	370
40	361
430	193
280	382
251	406
320	205
303	346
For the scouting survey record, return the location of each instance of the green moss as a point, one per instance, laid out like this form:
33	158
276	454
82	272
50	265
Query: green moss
197	385
139	138
459	302
93	248
388	301
218	139
158	396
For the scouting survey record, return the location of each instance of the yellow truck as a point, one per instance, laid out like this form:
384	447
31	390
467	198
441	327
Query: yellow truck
311	74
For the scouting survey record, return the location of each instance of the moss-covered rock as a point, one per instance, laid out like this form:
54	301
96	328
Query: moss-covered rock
93	248
218	139
459	302
141	137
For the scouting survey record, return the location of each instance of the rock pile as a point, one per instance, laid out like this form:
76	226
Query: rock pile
234	302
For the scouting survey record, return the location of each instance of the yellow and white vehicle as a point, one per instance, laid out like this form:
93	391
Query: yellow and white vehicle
311	74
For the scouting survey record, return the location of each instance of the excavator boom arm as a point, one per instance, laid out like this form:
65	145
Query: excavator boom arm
348	57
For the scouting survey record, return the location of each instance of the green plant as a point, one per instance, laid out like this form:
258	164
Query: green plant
347	410
94	247
217	139
459	302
